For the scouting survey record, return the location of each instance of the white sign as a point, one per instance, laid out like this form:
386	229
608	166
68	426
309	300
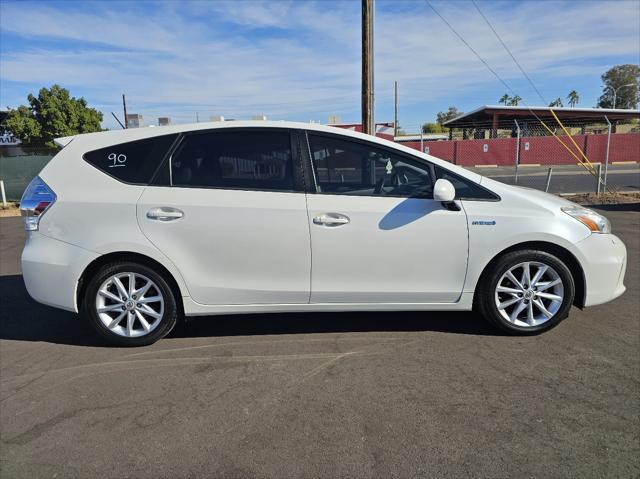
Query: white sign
526	146
485	148
426	150
384	130
7	139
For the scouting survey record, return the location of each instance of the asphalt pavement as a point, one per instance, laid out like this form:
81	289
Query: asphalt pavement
566	178
371	395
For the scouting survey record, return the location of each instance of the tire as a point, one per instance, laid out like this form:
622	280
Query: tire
515	308
154	312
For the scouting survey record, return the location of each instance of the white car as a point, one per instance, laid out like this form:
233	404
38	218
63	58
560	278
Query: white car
138	228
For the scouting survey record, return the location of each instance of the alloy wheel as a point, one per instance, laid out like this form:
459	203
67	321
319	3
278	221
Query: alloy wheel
529	294
129	304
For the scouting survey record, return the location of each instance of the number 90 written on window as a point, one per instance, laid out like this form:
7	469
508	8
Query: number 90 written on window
117	160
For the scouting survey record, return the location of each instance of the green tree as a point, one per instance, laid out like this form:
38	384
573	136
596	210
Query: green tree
556	102
432	128
623	81
52	114
573	98
450	114
504	99
515	100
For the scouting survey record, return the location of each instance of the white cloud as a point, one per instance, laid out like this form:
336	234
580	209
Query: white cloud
300	59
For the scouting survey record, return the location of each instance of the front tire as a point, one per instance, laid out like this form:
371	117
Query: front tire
526	292
130	304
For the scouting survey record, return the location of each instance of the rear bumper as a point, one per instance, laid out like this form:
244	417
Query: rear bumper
51	269
604	263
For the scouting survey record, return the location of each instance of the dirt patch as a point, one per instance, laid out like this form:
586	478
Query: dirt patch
610	198
12	209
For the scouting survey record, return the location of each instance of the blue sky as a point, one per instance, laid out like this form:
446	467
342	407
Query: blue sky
300	60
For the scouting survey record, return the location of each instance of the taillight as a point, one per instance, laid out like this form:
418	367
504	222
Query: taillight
37	198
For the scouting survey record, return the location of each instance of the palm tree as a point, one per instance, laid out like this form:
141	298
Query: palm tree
556	102
504	99
573	98
515	100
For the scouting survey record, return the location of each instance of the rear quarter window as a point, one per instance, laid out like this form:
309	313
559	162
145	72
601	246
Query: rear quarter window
466	189
134	162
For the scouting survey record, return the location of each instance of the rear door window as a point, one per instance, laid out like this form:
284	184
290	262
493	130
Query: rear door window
251	160
134	162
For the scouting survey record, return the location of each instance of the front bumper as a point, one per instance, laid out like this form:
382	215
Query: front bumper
51	269
604	262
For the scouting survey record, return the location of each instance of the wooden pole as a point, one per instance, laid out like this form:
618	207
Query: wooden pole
367	67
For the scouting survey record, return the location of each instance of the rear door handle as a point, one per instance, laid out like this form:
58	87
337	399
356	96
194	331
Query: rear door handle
164	213
331	219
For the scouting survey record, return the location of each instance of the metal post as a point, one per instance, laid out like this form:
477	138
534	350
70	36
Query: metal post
118	120
517	148
4	196
367	67
395	109
549	173
606	156
599	178
421	140
124	107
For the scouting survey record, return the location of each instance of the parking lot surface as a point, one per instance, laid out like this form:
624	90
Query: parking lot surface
322	395
567	178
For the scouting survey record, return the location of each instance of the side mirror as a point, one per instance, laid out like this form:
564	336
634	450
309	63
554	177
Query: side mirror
444	191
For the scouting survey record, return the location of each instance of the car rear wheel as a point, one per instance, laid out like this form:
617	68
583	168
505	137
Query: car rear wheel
130	304
526	292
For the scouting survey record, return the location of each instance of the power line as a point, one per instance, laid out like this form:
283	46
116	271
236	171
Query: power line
588	164
482	59
461	38
508	51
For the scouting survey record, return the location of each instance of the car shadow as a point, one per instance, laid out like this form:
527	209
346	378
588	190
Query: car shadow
406	212
22	319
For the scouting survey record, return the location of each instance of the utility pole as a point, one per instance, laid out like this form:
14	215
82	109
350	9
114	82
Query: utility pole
367	67
124	107
395	109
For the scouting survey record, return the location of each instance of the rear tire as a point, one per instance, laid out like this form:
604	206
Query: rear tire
525	292
130	304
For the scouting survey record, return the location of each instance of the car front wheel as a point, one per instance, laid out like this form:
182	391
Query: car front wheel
526	292
130	304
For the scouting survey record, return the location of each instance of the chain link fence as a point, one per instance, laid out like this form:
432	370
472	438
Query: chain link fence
577	156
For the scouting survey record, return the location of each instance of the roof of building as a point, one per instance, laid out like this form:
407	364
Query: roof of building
485	115
425	137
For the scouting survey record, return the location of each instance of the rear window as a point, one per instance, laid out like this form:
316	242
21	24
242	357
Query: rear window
134	162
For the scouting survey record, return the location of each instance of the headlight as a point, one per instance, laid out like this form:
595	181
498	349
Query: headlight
592	220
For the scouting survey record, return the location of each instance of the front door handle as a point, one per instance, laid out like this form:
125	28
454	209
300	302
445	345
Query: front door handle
164	213
331	219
